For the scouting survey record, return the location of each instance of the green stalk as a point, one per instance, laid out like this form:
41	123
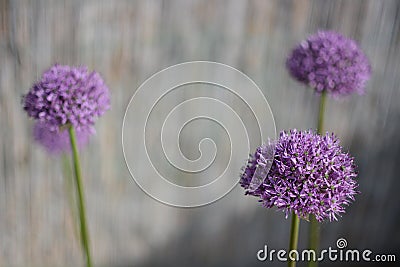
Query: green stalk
294	237
71	195
315	228
315	231
321	113
81	202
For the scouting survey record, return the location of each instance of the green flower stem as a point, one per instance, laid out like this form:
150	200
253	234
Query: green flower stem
294	237
315	231
81	202
315	228
321	113
71	195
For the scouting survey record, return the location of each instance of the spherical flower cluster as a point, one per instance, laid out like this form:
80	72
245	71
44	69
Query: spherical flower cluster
328	61
310	174
57	142
67	96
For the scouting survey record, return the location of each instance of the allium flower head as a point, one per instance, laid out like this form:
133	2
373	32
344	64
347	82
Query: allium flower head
310	174
67	95
328	61
56	142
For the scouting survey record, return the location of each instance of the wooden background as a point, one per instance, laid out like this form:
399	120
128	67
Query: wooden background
128	41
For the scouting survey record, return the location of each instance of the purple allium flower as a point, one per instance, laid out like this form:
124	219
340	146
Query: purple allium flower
67	95
58	141
310	174
328	61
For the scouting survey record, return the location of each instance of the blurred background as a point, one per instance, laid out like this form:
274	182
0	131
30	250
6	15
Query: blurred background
127	42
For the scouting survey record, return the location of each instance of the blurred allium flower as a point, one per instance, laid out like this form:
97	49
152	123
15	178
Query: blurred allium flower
329	61
67	95
310	174
56	142
258	160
